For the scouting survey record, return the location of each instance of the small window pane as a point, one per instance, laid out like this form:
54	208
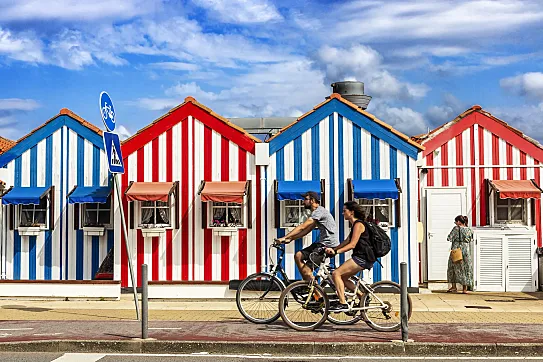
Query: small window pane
234	216
219	216
292	215
40	217
502	201
516	202
43	204
162	216
162	204
502	213
382	213
92	217
148	204
104	217
26	217
516	213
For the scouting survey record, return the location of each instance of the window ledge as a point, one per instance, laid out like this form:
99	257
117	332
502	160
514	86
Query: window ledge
94	230
153	231
225	231
29	230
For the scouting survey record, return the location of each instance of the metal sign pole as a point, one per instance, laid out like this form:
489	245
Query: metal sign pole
123	222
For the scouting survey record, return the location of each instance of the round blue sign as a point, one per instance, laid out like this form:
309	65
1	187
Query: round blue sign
107	111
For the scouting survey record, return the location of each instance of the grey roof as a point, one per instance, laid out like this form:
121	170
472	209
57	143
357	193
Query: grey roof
263	125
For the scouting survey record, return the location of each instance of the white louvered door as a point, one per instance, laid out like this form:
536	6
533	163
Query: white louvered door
521	273
490	263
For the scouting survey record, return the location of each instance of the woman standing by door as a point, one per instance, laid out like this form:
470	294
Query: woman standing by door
461	271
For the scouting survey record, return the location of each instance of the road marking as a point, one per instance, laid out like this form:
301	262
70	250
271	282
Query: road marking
47	334
3	335
318	358
81	357
16	329
172	328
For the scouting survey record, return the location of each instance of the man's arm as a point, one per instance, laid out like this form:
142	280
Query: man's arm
299	231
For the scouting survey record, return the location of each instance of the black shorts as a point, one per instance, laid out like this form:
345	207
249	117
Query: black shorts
315	260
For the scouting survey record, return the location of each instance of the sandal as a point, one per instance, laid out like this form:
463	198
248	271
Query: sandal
452	290
465	292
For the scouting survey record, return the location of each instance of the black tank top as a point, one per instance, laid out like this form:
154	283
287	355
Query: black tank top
363	249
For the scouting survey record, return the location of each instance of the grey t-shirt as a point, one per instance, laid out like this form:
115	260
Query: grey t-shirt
327	227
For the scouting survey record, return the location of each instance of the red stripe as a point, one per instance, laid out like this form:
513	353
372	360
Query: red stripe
473	185
193	201
482	190
155	250
156	162
242	235
169	178
208	233
258	216
459	161
225	240
430	176
495	157
124	253
445	162
537	172
141	255
185	200
509	156
523	170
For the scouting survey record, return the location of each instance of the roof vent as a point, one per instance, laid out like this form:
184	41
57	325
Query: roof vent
353	92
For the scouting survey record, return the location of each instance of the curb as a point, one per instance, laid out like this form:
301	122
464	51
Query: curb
395	348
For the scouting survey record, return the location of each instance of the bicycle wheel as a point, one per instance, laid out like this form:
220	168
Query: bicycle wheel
301	310
384	319
342	318
257	298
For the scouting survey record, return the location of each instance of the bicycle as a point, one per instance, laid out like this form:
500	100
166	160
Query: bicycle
380	301
258	295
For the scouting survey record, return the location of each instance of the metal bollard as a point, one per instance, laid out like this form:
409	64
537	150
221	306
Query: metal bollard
403	303
144	303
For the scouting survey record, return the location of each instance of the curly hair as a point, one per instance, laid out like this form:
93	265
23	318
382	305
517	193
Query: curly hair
462	219
356	208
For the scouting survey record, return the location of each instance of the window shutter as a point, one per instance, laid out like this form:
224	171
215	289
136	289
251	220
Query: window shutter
11	217
277	206
397	204
323	193
52	208
177	205
350	189
76	216
131	206
204	214
532	209
487	196
249	205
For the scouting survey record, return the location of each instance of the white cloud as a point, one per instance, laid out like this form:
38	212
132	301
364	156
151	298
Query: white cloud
527	118
451	107
433	50
123	132
157	104
24	47
175	66
18	104
363	63
241	11
74	10
404	119
527	84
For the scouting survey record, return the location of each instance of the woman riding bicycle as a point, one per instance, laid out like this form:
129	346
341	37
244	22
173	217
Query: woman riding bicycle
362	257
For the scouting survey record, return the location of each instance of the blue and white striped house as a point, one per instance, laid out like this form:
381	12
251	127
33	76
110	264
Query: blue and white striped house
46	250
346	153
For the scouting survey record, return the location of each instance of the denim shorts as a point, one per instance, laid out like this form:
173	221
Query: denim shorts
362	262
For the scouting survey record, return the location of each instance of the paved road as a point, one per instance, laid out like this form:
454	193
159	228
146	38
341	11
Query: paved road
79	357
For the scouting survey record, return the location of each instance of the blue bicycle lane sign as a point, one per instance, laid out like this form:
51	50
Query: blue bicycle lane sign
107	111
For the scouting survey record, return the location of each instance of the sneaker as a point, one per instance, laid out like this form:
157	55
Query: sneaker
336	308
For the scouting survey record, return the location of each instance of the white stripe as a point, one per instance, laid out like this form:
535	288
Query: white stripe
413	212
437	171
516	161
162	257
24	257
348	172
477	181
64	180
451	160
530	173
162	158
233	246
272	231
335	150
384	173
288	171
162	171
40	256
148	162
104	174
176	175
72	181
216	155
80	357
306	155
216	172
191	199
88	162
502	148
198	231
132	233
251	233
466	160
55	270
41	164
366	155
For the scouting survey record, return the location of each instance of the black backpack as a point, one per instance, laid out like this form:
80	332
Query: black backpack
379	239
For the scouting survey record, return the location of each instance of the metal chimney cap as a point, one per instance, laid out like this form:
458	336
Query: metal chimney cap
353	91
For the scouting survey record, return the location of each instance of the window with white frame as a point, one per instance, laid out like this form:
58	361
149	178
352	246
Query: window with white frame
225	214
97	214
510	211
293	213
378	210
155	214
34	215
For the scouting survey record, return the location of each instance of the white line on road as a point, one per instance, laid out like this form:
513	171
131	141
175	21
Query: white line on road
16	329
47	334
315	358
80	357
169	328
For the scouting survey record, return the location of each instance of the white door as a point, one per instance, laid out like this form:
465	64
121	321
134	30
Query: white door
490	263
521	261
442	206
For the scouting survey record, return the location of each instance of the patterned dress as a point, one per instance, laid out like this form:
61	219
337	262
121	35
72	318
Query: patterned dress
461	272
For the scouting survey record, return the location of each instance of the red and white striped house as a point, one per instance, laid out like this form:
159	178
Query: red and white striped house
478	165
192	202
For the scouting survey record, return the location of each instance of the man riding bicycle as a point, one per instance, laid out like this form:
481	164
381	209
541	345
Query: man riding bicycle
321	219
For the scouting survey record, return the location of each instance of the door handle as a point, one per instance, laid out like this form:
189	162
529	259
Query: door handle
430	234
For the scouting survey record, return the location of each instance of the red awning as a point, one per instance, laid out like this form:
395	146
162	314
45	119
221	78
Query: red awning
225	191
149	191
516	189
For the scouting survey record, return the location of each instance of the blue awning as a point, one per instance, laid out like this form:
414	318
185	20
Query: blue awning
24	195
375	189
293	190
93	194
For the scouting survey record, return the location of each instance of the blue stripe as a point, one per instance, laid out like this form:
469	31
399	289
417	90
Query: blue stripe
67	179
394	255
408	221
79	253
16	256
341	186
315	165
61	202
111	240
95	255
375	175
356	117
280	176
32	257
332	198
96	166
48	245
17	237
357	153
34	166
298	243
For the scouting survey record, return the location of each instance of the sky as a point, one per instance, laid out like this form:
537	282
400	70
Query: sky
423	62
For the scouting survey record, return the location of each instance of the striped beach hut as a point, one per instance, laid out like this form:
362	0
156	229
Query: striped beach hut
478	165
47	249
192	201
344	153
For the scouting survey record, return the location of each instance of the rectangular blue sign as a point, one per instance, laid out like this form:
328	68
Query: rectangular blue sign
113	152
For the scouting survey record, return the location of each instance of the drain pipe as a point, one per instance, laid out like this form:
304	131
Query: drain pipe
3	228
